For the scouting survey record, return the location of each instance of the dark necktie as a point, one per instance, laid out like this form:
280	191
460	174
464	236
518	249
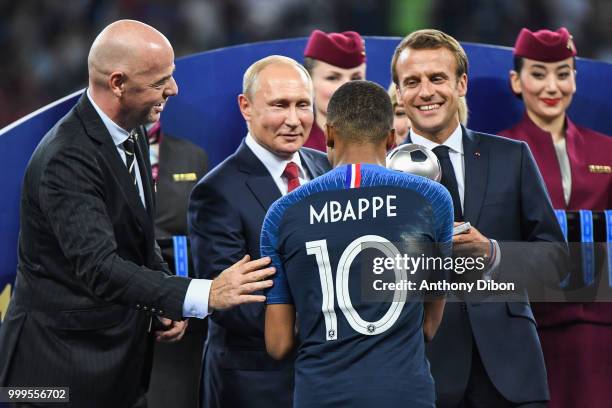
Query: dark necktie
448	179
129	147
291	174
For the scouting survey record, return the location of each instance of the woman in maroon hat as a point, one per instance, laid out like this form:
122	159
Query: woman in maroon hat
575	163
332	60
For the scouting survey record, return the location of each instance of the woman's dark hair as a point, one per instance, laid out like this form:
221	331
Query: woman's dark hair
518	63
309	64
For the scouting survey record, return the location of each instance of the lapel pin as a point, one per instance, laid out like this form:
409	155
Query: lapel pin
477	154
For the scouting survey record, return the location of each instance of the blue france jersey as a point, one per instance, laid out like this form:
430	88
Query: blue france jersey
356	350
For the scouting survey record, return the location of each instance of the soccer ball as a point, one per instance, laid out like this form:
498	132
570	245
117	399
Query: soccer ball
415	159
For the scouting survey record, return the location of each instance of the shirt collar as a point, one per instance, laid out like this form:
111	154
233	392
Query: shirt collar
274	164
454	142
118	134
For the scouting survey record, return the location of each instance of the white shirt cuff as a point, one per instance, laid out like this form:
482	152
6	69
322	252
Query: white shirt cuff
495	260
196	298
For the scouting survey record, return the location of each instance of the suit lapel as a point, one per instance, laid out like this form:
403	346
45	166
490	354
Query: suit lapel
259	181
476	161
96	130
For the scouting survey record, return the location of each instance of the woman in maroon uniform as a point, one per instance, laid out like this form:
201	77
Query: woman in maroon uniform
575	163
332	60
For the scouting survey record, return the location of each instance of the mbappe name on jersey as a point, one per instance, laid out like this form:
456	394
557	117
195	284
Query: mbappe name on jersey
354	209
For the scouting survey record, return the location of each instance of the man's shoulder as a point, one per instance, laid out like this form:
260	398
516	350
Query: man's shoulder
67	134
496	142
433	192
332	180
227	173
312	154
316	160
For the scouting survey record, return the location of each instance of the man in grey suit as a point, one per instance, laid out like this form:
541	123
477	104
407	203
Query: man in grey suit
485	354
92	291
226	211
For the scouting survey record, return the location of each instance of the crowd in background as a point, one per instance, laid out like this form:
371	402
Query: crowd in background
44	43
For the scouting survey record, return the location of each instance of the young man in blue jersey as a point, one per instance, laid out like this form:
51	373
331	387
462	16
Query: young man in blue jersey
355	351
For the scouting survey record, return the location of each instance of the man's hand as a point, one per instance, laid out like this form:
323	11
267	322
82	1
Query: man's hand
172	330
234	285
471	243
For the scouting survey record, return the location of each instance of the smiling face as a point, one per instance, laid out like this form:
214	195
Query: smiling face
148	86
327	78
547	88
279	112
430	90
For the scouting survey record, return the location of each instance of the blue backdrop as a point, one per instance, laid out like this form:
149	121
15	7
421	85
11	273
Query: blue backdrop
206	111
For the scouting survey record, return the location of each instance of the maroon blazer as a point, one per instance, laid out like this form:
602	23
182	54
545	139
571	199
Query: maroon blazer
316	140
573	334
591	190
587	149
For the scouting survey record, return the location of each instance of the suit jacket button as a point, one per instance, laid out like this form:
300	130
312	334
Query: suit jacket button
138	307
153	310
145	308
463	307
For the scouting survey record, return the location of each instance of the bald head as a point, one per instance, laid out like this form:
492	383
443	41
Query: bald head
131	68
128	46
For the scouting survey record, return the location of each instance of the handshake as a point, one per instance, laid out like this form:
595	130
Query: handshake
236	285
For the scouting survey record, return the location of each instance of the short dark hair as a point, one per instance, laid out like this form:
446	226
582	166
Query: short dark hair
430	39
361	112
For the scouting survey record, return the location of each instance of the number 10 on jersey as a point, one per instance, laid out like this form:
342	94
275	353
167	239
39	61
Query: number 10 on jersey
319	250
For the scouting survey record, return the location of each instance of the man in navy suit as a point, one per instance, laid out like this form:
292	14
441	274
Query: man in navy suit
226	211
485	354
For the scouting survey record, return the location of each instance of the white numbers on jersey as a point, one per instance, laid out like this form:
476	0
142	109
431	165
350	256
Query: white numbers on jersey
319	250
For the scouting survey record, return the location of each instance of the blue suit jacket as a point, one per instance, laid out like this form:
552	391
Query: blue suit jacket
226	211
506	200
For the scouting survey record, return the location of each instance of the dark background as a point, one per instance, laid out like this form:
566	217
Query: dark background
44	43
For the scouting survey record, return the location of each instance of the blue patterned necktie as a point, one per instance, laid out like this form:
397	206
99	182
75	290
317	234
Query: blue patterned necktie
448	179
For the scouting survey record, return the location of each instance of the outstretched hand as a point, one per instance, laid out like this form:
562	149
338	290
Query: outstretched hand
235	285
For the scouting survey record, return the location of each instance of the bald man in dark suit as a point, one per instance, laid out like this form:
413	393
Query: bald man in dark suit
92	292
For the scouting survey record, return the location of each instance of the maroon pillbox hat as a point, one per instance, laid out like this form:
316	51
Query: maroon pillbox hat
545	45
344	50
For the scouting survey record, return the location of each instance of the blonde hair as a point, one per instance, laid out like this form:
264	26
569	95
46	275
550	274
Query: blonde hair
249	80
463	111
392	91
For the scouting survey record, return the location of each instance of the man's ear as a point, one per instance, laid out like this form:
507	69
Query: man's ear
330	135
515	82
390	143
116	83
245	107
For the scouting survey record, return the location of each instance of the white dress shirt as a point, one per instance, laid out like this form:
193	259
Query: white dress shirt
455	153
119	136
198	291
457	158
276	165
